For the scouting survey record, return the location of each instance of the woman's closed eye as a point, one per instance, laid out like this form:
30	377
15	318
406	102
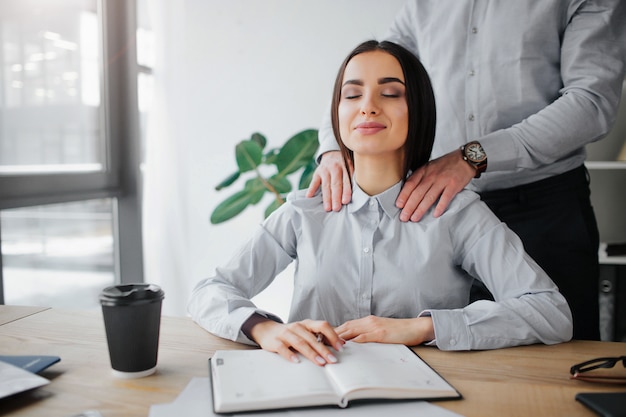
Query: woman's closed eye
351	93
392	93
389	94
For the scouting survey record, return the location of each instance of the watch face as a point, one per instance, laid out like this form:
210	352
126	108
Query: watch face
475	152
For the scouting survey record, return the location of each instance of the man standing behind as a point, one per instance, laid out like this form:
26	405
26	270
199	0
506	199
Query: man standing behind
521	87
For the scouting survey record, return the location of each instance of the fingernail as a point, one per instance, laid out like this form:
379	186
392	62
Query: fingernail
320	360
338	347
295	359
331	358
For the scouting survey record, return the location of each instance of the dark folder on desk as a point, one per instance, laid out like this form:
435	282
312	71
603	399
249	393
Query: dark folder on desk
31	363
605	404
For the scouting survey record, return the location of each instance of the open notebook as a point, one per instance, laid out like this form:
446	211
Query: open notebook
247	380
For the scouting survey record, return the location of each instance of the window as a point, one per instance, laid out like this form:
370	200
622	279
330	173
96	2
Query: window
51	110
58	254
69	150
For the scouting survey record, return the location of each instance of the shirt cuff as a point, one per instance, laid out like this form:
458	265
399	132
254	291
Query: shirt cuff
451	331
252	321
426	313
238	320
501	151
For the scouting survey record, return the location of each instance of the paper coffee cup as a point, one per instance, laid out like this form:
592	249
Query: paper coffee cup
132	320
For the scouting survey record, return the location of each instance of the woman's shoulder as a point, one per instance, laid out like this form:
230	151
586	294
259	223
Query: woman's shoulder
298	203
467	206
462	200
465	203
299	199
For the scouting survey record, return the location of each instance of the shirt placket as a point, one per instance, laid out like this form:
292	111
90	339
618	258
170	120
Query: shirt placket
472	77
366	270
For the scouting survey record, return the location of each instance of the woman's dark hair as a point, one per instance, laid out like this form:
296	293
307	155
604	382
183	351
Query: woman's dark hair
419	97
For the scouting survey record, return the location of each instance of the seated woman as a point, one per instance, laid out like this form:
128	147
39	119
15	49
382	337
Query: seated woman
362	274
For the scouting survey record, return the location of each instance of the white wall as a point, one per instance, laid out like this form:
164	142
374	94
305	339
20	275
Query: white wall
251	65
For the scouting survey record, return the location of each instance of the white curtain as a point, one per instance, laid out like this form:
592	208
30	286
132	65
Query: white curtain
165	226
224	70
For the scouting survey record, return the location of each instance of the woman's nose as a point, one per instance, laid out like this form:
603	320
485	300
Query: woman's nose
369	107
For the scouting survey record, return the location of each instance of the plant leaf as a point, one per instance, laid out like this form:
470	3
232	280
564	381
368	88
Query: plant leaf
307	175
230	207
228	181
255	189
272	207
270	157
297	152
249	155
281	184
260	139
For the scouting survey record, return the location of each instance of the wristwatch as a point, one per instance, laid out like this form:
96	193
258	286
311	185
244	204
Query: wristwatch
475	155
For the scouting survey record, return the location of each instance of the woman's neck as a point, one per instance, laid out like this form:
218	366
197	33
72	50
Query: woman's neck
375	175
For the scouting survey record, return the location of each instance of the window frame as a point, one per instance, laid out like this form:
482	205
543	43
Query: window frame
120	177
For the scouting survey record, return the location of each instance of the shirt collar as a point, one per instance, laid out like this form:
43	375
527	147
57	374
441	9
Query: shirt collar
386	199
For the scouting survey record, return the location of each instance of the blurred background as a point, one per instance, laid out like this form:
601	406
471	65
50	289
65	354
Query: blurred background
118	118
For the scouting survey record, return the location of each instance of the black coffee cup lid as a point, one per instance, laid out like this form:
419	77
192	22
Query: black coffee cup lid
127	294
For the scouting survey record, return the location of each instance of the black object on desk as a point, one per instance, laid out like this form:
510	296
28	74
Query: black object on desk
605	404
30	363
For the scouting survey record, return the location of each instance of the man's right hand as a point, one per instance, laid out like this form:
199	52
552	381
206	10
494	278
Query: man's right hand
334	179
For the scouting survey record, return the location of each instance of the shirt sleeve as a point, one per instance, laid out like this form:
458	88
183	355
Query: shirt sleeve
592	71
592	60
222	303
326	136
528	307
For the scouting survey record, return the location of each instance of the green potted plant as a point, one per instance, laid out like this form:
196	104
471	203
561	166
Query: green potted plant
297	155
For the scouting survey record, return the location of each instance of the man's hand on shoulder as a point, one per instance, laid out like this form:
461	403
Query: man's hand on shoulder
334	179
439	180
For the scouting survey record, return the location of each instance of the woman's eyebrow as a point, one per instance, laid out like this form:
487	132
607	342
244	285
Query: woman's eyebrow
353	82
384	80
387	80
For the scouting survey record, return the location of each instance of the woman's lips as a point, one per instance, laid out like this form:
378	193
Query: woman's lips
370	128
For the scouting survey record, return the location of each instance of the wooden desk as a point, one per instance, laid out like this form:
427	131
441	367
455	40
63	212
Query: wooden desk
9	314
523	381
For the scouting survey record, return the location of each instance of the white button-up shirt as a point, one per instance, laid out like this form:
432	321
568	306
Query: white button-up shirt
364	261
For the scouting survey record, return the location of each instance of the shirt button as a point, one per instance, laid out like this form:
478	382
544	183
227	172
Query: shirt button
372	202
474	30
470	118
472	73
366	250
452	342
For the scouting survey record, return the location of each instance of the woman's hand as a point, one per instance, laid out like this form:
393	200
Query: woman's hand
334	179
307	337
410	332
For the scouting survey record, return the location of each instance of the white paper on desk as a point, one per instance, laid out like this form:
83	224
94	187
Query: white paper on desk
14	380
195	401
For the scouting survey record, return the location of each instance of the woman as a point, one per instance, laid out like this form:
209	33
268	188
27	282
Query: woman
362	274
